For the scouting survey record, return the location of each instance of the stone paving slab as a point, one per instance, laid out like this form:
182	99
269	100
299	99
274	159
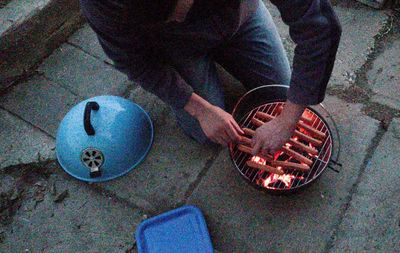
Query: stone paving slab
21	143
372	222
384	77
173	164
86	39
29	31
359	23
83	74
40	102
18	9
81	221
243	219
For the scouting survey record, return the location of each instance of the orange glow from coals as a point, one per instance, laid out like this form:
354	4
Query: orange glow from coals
277	154
287	179
307	114
258	160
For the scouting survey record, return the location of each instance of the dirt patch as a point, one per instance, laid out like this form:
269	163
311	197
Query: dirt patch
353	94
15	182
3	3
382	113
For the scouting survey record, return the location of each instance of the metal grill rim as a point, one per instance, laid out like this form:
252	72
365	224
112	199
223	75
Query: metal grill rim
319	163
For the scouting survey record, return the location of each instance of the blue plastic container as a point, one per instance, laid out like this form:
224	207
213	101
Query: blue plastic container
182	230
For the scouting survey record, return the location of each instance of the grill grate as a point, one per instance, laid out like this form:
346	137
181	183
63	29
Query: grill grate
291	179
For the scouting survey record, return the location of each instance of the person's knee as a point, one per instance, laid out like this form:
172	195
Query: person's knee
284	75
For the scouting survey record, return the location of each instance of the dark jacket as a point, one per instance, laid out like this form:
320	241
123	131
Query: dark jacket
131	34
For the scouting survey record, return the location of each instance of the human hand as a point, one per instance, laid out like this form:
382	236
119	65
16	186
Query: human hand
271	136
218	125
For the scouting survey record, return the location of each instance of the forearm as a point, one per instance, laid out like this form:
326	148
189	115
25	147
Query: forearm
315	28
196	105
291	113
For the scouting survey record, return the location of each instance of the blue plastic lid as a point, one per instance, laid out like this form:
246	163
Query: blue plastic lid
177	231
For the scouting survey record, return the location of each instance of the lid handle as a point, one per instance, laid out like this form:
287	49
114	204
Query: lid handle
86	117
95	172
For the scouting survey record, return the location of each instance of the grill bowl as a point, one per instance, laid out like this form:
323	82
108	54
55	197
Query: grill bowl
263	96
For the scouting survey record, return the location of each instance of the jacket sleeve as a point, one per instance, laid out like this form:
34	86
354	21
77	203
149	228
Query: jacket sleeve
126	46
315	29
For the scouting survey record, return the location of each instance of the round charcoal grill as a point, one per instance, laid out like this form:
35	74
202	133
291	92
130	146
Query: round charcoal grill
269	100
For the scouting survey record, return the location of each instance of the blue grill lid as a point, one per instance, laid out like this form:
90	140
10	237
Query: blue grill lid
103	138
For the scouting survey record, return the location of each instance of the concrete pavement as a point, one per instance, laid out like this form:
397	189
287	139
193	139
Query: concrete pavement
359	202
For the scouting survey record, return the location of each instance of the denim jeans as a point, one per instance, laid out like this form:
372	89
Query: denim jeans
254	55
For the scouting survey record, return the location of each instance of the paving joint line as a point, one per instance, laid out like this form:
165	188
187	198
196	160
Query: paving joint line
29	73
385	32
193	186
29	123
61	84
130	87
375	141
358	92
88	53
95	187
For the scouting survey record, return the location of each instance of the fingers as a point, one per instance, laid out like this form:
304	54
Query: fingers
221	138
253	141
266	150
257	147
273	149
233	134
237	127
229	133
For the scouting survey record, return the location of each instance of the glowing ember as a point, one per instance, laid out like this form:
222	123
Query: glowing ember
277	154
287	179
258	160
307	114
